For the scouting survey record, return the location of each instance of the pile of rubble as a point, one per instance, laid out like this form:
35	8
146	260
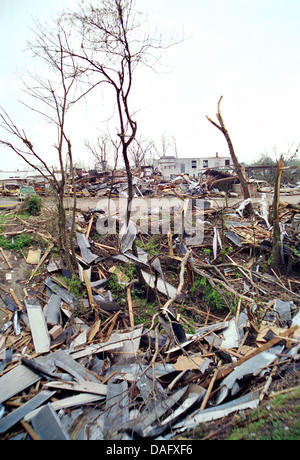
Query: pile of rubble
149	182
82	369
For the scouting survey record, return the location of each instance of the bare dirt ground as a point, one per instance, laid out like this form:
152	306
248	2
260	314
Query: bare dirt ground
12	279
86	204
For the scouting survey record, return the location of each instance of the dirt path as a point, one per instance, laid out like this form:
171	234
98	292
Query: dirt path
86	204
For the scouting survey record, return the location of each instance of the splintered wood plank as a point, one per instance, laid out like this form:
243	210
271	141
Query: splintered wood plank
83	387
39	330
47	425
15	381
15	416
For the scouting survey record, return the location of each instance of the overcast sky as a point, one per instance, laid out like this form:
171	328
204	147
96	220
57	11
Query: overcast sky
246	50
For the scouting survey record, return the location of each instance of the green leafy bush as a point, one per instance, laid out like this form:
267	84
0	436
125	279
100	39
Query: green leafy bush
33	205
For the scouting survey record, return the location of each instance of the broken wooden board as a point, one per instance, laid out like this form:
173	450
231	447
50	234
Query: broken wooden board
82	387
33	256
145	419
78	400
38	326
52	310
116	415
18	414
249	401
84	246
59	290
64	361
189	362
15	381
47	425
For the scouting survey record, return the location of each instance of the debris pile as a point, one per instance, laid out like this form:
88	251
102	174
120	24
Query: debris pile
212	182
83	367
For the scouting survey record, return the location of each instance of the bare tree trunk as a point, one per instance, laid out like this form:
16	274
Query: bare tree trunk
238	168
274	260
72	232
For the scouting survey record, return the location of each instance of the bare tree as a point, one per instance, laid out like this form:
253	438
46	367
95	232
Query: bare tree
113	43
165	144
54	95
275	256
173	144
138	151
101	151
238	168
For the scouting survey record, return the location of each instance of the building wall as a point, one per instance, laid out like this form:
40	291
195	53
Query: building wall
169	166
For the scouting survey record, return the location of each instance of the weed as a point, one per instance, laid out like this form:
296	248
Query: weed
209	295
75	286
16	243
129	270
145	313
224	251
116	289
151	246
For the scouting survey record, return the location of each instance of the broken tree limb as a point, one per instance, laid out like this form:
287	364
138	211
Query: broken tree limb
209	389
238	168
214	282
16	300
87	235
181	282
269	381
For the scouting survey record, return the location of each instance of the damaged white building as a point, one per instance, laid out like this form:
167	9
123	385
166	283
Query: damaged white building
170	165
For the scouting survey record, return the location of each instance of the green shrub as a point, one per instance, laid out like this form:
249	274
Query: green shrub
33	205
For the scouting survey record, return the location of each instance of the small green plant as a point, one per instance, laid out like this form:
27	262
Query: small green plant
224	251
278	421
116	289
144	313
129	270
209	295
33	205
75	286
150	246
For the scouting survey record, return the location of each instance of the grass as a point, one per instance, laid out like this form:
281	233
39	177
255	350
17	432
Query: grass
278	419
151	245
18	242
210	296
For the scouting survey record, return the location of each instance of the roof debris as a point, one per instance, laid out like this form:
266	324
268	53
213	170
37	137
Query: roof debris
120	360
